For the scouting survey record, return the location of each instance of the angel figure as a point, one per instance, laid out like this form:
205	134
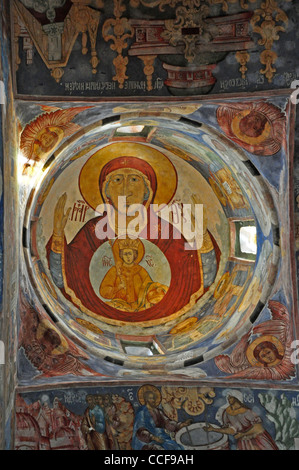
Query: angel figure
265	352
258	128
47	349
42	136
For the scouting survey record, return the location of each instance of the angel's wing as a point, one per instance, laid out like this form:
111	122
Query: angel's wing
237	360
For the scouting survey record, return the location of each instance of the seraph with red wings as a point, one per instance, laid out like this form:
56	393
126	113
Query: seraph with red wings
265	352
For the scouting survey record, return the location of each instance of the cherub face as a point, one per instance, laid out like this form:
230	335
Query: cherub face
267	355
48	139
253	125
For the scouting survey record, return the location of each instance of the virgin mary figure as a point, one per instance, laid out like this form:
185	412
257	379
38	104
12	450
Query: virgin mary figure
143	175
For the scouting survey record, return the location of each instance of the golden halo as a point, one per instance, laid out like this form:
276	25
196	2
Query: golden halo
47	325
262	339
149	388
164	170
235	125
56	130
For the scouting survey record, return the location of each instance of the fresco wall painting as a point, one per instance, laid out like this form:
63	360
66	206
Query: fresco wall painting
133	335
157	418
240	323
152	48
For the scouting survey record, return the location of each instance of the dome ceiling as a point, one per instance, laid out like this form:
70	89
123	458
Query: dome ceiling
137	286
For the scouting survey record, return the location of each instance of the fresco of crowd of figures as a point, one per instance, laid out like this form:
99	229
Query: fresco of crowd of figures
151	417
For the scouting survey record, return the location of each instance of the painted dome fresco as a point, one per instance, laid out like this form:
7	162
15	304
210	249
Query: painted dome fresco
149	237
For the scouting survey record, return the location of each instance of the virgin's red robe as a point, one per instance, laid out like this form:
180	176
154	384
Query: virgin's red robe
186	277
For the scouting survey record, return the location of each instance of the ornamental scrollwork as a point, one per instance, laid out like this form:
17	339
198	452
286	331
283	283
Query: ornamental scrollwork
268	21
118	30
189	18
